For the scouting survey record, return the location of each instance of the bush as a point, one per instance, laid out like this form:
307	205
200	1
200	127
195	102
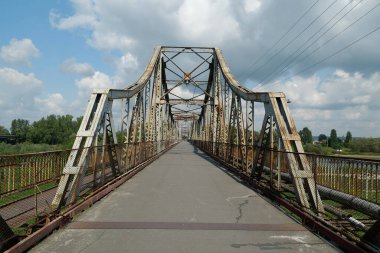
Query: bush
24	148
365	145
318	149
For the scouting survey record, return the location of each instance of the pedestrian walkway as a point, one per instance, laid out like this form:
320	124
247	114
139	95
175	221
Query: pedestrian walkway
183	202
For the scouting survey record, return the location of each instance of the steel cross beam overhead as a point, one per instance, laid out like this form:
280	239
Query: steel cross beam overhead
188	88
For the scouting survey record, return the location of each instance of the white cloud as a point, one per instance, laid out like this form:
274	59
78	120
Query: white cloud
207	22
344	101
109	40
361	99
17	95
84	16
241	28
85	87
19	51
23	97
129	61
52	104
252	5
12	78
127	30
72	66
88	15
70	22
122	25
124	66
185	92
97	80
341	74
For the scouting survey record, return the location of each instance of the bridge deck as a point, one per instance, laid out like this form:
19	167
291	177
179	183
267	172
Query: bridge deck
183	202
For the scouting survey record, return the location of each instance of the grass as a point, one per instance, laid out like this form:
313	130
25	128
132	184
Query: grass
24	229
288	195
375	156
332	203
5	200
347	152
356	214
286	211
24	148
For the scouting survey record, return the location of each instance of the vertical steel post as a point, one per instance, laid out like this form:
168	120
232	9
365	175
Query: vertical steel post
279	163
271	150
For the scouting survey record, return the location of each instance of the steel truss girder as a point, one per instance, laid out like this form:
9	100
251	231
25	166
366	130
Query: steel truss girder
277	114
98	115
221	120
111	140
146	121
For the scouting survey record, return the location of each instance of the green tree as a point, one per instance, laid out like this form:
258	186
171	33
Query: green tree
348	139
322	138
4	131
334	141
20	128
54	130
306	135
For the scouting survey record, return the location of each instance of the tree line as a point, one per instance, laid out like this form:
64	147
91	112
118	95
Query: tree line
334	142
52	130
61	130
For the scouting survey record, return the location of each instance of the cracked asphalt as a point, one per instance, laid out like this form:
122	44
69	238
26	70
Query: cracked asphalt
183	202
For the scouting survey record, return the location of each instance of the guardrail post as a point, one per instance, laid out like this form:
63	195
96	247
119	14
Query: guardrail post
35	190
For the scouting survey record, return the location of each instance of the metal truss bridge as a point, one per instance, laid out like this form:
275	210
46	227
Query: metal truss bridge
189	112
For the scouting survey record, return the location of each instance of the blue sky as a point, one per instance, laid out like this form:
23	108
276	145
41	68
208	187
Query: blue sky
53	53
30	19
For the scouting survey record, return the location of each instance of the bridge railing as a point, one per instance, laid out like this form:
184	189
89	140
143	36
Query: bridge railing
22	172
29	182
355	176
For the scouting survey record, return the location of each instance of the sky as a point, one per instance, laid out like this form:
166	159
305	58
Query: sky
324	55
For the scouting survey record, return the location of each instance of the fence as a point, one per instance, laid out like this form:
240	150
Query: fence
357	177
21	172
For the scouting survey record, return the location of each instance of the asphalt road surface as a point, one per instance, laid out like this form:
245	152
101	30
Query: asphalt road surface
183	202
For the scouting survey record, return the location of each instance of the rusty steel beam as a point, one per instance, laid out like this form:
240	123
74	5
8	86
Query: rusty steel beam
172	101
186	117
141	82
239	89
